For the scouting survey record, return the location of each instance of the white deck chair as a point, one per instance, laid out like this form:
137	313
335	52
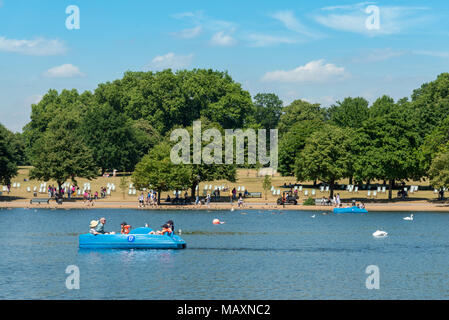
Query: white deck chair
313	192
327	188
322	189
374	194
369	194
306	193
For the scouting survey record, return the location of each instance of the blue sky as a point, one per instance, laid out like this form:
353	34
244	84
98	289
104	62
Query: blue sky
320	51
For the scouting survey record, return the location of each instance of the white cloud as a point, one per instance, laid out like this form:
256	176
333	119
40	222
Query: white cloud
36	47
377	55
292	23
64	71
435	54
263	40
313	71
172	61
189	33
352	18
222	39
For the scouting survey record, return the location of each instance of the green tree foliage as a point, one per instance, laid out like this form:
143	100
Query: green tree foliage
156	170
434	143
51	105
293	142
388	144
430	104
209	172
326	156
268	110
111	138
266	184
8	165
167	100
439	171
299	110
350	113
59	154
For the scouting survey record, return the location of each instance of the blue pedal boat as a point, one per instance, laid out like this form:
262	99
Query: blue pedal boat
350	210
136	239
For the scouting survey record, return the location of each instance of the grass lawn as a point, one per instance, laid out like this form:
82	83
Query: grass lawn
246	178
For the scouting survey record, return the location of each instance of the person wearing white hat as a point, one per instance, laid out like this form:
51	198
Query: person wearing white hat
99	229
93	224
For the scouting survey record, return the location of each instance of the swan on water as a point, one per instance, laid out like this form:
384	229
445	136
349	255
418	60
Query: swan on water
312	216
380	233
232	209
409	218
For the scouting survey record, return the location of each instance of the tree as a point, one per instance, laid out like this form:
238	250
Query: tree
123	184
156	170
268	110
266	184
209	172
8	165
60	155
297	111
51	105
439	172
390	144
111	138
167	99
350	113
293	142
325	157
430	103
435	142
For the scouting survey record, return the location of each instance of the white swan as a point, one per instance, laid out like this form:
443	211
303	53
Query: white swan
232	209
409	218
380	233
312	216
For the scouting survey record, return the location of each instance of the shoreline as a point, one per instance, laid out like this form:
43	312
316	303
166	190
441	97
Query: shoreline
400	207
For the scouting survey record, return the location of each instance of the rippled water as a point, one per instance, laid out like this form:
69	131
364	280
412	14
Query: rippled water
255	255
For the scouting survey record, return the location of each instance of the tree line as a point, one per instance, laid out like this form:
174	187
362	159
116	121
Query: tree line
125	125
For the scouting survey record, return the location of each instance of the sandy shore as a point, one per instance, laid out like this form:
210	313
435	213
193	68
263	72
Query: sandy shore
396	206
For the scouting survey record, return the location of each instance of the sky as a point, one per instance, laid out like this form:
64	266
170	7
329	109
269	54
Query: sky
318	51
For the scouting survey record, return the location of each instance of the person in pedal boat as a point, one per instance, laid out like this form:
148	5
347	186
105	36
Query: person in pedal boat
99	229
125	228
165	229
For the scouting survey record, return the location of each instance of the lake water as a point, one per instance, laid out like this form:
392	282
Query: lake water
256	254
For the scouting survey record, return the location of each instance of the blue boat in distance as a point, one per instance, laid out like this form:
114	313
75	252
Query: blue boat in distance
350	210
136	239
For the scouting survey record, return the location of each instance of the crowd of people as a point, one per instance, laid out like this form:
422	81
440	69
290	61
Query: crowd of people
150	199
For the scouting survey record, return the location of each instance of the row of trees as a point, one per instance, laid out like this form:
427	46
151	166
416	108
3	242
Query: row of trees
388	140
125	125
